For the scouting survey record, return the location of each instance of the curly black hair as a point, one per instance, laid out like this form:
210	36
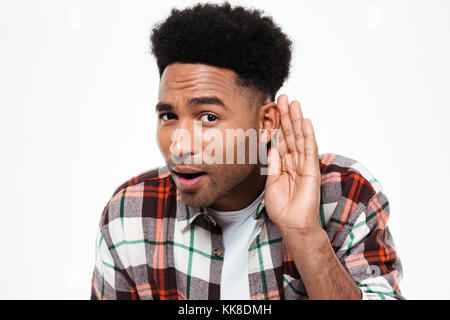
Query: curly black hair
239	39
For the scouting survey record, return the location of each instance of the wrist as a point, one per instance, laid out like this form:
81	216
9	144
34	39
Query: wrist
308	241
309	232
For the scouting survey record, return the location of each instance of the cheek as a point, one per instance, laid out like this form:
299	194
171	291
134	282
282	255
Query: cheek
238	147
226	178
163	139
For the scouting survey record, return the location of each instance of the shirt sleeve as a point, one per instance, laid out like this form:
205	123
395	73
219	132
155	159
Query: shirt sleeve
368	251
109	281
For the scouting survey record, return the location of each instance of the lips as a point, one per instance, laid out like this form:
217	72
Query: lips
189	175
188	178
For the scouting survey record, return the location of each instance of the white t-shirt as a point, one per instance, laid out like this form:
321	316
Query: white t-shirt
239	228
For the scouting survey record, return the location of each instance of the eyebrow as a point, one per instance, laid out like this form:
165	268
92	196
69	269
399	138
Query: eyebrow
206	100
162	106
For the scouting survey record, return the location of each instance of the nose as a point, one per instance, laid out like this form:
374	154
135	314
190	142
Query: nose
186	143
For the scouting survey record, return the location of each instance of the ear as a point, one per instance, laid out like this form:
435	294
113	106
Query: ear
268	121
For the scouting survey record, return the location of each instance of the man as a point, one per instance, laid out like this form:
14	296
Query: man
202	227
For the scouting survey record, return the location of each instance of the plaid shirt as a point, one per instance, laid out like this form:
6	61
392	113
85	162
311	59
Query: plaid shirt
151	245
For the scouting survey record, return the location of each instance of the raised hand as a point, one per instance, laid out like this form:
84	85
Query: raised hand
292	192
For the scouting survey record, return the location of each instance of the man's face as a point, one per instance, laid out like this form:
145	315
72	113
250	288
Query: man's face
212	97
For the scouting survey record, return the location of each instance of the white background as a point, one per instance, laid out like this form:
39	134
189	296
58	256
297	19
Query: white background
77	93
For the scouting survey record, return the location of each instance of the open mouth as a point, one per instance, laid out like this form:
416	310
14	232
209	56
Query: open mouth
190	175
190	180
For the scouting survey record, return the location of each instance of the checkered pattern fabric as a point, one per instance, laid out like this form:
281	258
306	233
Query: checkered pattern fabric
151	245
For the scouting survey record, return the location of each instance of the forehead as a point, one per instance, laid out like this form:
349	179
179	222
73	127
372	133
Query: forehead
191	79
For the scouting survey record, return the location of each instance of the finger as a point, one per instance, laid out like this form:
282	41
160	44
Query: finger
287	163
311	163
286	122
273	164
281	143
297	117
282	150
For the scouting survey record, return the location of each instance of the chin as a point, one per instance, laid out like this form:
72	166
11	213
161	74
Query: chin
196	200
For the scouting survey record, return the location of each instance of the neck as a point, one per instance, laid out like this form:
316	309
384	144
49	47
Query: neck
243	194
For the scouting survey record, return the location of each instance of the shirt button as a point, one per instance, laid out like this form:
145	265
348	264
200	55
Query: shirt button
217	252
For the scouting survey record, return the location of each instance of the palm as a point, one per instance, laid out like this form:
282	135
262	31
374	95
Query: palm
292	195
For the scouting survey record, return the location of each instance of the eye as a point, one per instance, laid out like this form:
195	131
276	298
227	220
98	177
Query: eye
209	117
167	116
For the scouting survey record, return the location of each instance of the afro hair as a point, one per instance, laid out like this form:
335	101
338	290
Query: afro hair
239	39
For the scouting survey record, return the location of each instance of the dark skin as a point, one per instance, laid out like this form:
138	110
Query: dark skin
227	187
292	190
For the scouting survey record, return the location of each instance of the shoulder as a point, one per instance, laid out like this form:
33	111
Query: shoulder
350	195
153	176
138	196
346	177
